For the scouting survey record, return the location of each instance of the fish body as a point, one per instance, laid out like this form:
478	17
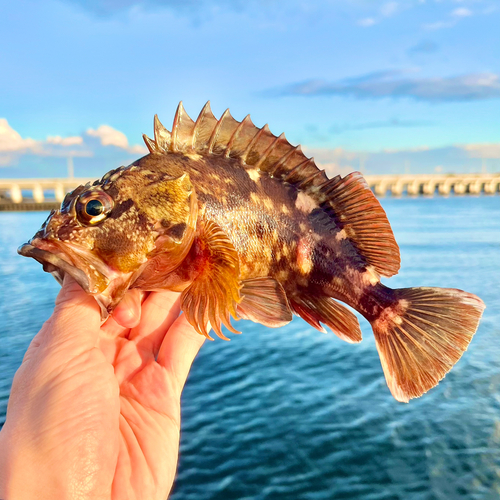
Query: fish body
244	225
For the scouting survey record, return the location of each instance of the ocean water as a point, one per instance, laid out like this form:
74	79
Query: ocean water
296	414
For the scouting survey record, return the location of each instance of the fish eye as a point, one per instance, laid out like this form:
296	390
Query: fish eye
93	207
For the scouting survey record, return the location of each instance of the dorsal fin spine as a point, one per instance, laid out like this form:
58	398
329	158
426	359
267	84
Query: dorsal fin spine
296	170
269	150
235	135
150	144
284	159
216	130
327	186
206	109
255	139
175	127
309	182
163	138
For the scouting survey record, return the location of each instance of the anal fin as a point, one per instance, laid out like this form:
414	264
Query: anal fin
214	293
264	301
317	310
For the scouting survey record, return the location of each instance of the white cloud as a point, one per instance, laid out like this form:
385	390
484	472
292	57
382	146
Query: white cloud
395	84
389	8
369	21
453	18
11	141
421	159
13	145
138	149
462	12
65	141
491	150
416	149
438	25
109	136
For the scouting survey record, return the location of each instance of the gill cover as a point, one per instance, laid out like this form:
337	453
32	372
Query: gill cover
172	203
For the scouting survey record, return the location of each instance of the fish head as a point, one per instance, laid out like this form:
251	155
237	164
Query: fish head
105	234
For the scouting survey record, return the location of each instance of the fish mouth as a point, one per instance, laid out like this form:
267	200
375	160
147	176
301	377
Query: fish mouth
56	265
59	258
89	271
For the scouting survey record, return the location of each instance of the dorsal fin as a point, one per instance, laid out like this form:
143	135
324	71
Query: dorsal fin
256	147
358	213
348	201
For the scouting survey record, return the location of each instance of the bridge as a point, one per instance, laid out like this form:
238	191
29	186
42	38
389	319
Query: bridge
35	194
46	194
434	184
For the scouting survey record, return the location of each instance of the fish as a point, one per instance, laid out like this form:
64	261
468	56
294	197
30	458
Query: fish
245	226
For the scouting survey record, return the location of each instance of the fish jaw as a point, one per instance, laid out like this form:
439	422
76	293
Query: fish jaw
55	265
98	279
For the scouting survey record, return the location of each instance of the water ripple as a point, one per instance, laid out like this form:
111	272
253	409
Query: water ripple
295	414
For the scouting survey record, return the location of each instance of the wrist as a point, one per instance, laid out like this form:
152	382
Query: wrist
22	477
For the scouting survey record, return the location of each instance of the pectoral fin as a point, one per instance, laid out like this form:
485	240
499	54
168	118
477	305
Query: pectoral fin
264	301
215	292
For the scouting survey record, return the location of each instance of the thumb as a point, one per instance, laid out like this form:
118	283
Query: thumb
76	318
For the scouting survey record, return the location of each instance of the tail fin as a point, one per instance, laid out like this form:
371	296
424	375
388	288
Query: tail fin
422	335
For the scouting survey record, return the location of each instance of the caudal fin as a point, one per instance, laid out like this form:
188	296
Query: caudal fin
422	335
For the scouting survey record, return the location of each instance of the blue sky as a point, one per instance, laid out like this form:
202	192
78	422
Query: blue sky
385	86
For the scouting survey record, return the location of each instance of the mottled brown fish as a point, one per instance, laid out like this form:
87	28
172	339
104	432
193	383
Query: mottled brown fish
243	224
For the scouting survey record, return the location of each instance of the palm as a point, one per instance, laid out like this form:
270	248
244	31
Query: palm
111	397
148	426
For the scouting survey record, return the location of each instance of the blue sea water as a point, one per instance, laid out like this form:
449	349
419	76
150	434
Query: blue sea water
296	414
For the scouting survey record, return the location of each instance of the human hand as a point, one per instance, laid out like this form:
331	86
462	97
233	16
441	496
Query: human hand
94	411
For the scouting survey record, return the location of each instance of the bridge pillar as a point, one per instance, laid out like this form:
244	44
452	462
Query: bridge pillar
475	187
15	194
414	188
490	187
380	189
397	189
444	188
38	195
459	188
59	192
429	188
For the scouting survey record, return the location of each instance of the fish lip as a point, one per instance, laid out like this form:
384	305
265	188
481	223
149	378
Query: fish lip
55	264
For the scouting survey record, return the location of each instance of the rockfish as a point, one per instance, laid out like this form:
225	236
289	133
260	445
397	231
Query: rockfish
244	225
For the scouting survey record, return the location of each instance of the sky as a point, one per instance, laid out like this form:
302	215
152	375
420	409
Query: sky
409	86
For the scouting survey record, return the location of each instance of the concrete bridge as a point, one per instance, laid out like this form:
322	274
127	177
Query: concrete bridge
35	194
45	194
434	184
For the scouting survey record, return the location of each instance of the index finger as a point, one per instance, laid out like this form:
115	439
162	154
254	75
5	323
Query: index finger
159	311
178	350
